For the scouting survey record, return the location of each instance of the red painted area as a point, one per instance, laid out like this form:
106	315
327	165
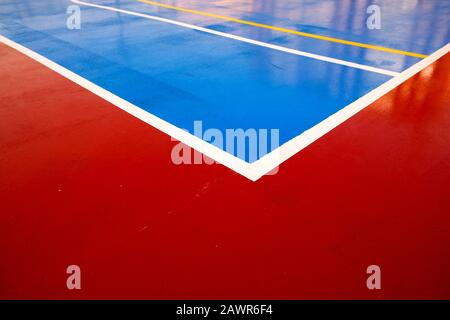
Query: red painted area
82	182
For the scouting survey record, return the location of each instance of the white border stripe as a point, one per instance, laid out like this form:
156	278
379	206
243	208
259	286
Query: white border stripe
247	40
257	169
227	159
270	161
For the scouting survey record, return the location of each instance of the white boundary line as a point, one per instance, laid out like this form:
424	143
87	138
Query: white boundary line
259	168
247	40
271	160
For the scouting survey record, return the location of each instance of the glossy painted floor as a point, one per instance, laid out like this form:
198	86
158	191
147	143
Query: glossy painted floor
182	75
83	182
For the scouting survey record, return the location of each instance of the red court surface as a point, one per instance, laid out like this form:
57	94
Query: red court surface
83	182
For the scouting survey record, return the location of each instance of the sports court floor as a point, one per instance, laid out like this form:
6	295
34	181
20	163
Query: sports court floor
359	174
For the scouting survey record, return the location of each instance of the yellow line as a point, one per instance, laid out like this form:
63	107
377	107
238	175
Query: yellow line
298	33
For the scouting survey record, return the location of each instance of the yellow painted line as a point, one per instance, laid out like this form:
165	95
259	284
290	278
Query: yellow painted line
295	32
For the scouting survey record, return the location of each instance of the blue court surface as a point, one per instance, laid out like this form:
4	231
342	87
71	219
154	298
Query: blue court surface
263	64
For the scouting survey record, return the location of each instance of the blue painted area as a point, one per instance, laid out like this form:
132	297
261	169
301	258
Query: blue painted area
182	75
409	25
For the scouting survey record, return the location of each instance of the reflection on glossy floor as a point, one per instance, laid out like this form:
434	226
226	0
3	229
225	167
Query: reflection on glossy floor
84	182
182	76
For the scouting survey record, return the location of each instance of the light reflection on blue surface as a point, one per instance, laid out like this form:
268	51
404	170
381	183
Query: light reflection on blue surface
183	75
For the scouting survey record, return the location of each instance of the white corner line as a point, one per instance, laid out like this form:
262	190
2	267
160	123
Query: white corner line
243	39
257	169
273	159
